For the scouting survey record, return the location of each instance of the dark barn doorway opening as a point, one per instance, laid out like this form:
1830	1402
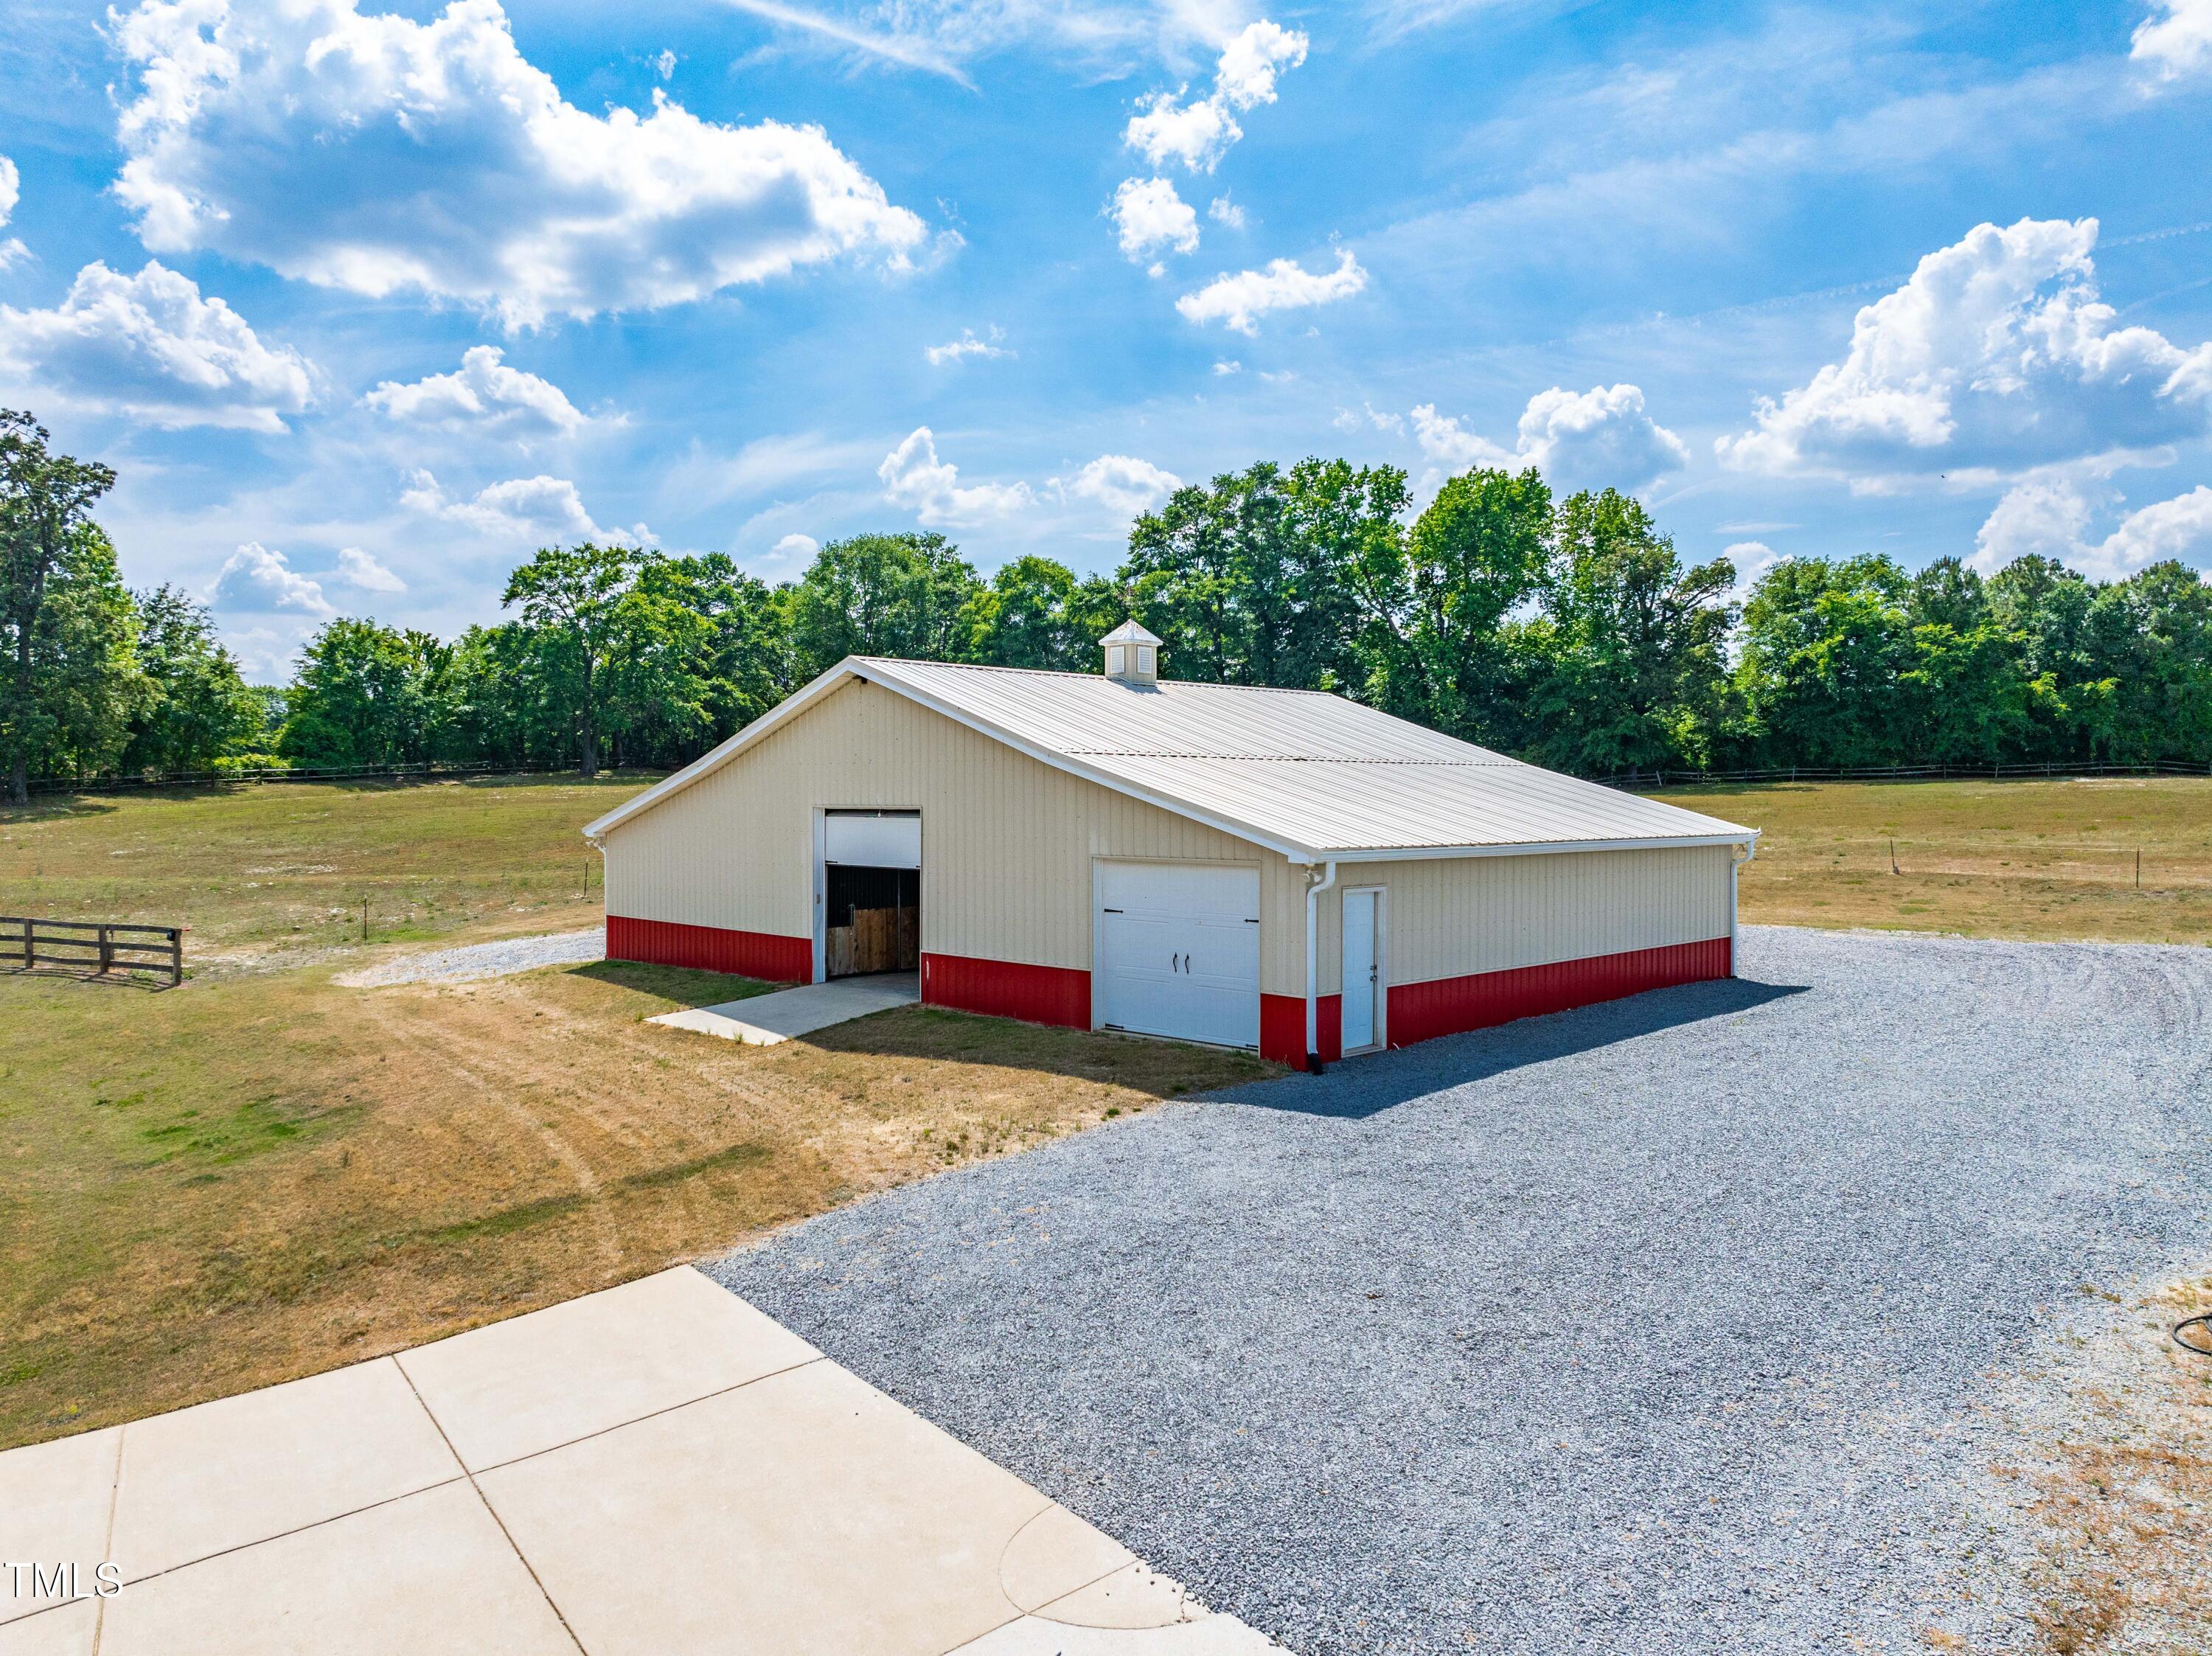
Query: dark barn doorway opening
873	920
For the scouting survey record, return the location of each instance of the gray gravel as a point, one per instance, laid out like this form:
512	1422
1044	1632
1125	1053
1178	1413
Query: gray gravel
1658	1327
483	960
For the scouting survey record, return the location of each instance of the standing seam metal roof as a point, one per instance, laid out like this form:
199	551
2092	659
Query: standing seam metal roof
1301	767
1308	773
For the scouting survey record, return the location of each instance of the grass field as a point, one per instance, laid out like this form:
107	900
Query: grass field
1992	859
262	1174
280	871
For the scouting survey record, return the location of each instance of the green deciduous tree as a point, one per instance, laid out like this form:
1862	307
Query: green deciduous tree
1631	643
1475	557
571	595
883	595
201	709
363	696
1237	589
69	679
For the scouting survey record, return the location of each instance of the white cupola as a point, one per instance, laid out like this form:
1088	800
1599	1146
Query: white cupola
1132	655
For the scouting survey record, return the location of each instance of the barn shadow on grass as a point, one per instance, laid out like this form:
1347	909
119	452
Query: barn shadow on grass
1161	1069
678	985
1362	1086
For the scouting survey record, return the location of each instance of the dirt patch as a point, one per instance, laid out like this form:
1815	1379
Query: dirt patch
2114	1486
251	1179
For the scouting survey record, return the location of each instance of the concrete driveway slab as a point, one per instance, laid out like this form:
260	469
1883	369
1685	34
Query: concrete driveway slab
807	1509
55	1500
1208	1636
428	1574
66	1631
1132	1596
532	1383
765	1020
244	1469
1056	1554
660	1464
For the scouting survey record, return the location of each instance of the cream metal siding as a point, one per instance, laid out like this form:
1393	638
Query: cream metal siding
1007	842
1454	917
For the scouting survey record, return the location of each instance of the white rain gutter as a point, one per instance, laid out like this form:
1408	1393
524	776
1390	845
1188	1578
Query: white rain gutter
1749	850
1314	889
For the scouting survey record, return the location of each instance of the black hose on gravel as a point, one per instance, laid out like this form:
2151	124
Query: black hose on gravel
2203	1320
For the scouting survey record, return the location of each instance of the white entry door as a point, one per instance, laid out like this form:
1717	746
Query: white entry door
1363	969
1178	951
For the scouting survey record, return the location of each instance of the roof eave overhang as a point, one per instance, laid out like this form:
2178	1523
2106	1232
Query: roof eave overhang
1531	848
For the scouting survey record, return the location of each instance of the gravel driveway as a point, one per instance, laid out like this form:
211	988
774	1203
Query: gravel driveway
1658	1327
472	961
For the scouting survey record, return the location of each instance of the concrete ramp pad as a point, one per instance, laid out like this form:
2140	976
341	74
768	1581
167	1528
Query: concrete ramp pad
764	1020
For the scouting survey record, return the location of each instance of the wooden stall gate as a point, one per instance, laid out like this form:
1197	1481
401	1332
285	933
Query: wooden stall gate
878	940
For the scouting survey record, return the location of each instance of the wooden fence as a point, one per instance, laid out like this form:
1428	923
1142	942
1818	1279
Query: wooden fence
93	949
2042	770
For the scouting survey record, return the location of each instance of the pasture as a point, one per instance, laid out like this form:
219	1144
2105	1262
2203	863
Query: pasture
2040	861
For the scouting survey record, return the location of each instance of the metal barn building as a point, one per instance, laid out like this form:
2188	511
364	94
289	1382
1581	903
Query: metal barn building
1279	869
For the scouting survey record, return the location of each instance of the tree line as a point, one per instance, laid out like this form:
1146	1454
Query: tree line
1568	631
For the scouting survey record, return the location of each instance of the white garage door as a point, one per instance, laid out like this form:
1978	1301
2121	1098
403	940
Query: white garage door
1178	951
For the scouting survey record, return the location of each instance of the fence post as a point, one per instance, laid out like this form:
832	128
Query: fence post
30	943
106	950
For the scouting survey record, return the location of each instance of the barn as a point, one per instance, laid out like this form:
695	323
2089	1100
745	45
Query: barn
1283	871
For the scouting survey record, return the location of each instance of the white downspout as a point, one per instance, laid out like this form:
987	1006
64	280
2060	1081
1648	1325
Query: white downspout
1749	850
1314	889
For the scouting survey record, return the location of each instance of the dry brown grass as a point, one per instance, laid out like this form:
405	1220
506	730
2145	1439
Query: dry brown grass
2122	1500
257	1177
2037	860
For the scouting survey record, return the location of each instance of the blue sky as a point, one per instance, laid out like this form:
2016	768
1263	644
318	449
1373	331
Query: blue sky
365	300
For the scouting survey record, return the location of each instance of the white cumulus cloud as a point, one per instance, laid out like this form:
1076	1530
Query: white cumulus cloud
1124	485
364	574
1198	133
540	508
969	345
10	193
792	548
152	347
914	476
372	152
1588	440
2050	518
2176	40
1225	213
1450	445
1603	437
257	581
483	395
1149	215
1240	301
1996	356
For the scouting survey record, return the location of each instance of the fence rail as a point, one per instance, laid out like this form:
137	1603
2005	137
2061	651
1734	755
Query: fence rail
97	949
1676	779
